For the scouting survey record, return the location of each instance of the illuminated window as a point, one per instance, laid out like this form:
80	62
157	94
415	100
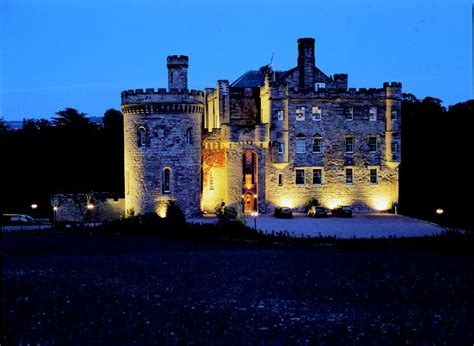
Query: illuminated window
280	148
373	176
166	181
189	135
373	114
317	177
316	145
280	115
349	144
141	136
372	144
394	115
350	114
211	181
300	146
280	180
349	176
299	177
316	111
300	113
318	86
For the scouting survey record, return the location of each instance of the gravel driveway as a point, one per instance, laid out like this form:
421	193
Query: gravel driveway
359	225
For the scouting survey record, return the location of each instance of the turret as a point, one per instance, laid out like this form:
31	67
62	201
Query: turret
306	62
177	72
340	80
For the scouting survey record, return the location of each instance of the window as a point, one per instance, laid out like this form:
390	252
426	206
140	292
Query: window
394	147
373	175
280	115
300	113
166	180
373	114
141	136
316	111
350	114
316	145
394	115
300	177
280	180
318	86
280	148
317	177
300	146
349	176
349	144
211	181
189	135
372	144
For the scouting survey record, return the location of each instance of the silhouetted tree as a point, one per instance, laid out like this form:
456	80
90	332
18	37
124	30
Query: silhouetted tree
70	117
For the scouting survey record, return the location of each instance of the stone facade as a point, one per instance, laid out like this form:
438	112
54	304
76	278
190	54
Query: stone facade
271	138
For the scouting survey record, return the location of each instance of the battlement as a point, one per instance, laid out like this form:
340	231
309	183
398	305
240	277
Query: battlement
177	60
162	95
361	93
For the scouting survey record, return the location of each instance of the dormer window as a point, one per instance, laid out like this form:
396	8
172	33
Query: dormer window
318	86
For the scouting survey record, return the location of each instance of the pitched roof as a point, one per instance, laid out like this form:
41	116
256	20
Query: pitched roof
252	78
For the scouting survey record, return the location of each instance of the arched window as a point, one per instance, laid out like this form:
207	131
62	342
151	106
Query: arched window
166	187
141	136
189	135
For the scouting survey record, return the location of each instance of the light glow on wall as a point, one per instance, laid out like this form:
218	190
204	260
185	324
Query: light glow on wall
286	202
334	202
381	203
161	210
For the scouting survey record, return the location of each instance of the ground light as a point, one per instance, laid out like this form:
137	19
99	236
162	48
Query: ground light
254	214
34	206
440	211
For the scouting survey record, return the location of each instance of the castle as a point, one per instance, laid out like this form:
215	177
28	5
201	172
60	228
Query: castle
270	138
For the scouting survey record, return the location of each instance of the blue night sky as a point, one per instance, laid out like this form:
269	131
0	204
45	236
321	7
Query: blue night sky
82	54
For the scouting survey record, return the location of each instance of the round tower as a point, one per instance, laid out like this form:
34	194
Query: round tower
162	138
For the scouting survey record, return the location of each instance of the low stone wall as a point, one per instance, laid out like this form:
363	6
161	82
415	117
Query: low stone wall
102	207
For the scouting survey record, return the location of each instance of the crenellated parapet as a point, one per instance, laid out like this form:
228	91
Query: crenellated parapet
390	90
161	95
162	108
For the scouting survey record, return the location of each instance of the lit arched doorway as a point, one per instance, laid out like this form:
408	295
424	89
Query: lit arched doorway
249	181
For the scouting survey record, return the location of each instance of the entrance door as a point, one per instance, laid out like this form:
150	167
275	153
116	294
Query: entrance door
248	203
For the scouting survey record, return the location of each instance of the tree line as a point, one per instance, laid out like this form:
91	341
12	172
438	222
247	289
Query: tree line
71	154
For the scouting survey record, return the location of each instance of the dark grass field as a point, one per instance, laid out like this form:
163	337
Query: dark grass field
117	289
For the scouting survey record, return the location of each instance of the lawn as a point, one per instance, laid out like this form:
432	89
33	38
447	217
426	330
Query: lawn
124	289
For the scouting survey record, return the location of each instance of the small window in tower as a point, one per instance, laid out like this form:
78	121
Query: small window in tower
373	114
394	147
350	114
300	113
372	144
166	187
299	177
394	115
349	144
373	176
280	115
316	111
281	148
280	180
189	135
141	136
211	181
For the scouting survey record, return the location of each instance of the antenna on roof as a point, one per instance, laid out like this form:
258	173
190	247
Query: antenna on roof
271	66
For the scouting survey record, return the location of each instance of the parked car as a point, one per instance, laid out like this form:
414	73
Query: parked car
318	212
342	211
283	213
21	222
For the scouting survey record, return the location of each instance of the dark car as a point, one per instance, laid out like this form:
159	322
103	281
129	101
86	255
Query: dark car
342	211
318	212
283	213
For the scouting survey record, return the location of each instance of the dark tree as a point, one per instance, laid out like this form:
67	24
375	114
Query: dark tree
71	117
